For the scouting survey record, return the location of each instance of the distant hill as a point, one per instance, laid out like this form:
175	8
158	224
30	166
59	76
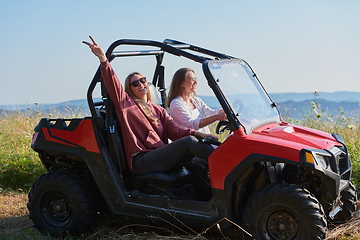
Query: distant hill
293	105
298	110
298	105
345	96
67	109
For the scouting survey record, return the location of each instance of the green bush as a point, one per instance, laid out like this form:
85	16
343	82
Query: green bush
19	165
20	172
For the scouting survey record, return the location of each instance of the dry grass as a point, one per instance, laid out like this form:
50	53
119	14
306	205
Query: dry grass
349	230
15	224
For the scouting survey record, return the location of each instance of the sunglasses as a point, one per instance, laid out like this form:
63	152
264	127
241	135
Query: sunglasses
136	82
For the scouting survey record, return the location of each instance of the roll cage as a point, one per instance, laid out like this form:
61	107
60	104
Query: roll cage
172	47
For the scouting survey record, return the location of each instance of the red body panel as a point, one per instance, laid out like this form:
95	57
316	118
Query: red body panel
280	141
82	136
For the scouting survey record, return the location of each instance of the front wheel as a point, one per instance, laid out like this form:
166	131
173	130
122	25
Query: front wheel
283	211
62	203
349	199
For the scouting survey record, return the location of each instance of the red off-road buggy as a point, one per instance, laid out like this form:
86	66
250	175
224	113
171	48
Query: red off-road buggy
276	180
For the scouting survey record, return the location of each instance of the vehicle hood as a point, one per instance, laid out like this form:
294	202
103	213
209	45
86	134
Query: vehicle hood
309	138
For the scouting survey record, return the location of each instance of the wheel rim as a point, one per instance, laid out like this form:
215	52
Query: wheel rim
56	209
280	224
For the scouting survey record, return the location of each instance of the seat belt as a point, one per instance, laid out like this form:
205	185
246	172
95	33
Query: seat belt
113	138
161	85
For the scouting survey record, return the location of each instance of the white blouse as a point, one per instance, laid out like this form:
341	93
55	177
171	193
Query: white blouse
187	117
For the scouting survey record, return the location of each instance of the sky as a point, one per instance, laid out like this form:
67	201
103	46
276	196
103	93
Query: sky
293	46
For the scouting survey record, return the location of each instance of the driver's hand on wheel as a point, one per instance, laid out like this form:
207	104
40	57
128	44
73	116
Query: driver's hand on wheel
221	116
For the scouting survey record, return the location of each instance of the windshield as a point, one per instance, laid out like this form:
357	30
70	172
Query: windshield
244	93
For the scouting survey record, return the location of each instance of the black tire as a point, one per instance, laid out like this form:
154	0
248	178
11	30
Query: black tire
349	199
283	211
61	203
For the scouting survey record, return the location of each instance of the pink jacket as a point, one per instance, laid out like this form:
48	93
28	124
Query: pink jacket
139	134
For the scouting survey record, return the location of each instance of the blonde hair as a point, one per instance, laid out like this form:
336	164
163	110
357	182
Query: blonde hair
176	84
142	104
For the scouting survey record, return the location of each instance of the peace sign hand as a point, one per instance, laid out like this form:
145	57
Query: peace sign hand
96	49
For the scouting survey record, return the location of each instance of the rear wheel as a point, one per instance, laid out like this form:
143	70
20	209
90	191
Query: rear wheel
348	197
283	211
61	203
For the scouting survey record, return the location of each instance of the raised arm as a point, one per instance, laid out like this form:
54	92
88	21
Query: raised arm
96	49
111	81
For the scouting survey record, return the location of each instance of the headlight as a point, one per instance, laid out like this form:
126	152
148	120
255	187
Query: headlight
335	159
322	160
319	159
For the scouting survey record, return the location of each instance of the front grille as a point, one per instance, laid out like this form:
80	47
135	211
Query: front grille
339	161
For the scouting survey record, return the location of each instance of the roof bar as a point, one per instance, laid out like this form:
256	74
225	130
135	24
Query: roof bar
146	52
135	53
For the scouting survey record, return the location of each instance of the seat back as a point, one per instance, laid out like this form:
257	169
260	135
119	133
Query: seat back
173	178
153	92
151	183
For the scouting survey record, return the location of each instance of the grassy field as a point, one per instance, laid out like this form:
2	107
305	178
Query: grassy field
20	166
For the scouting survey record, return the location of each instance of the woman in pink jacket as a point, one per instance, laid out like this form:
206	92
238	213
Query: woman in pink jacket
146	127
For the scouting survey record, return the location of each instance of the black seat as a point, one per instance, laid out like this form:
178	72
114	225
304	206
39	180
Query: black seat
174	178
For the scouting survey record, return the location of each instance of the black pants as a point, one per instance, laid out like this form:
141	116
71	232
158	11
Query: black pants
176	154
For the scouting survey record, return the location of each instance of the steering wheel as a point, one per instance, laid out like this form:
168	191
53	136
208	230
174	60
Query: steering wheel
222	126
